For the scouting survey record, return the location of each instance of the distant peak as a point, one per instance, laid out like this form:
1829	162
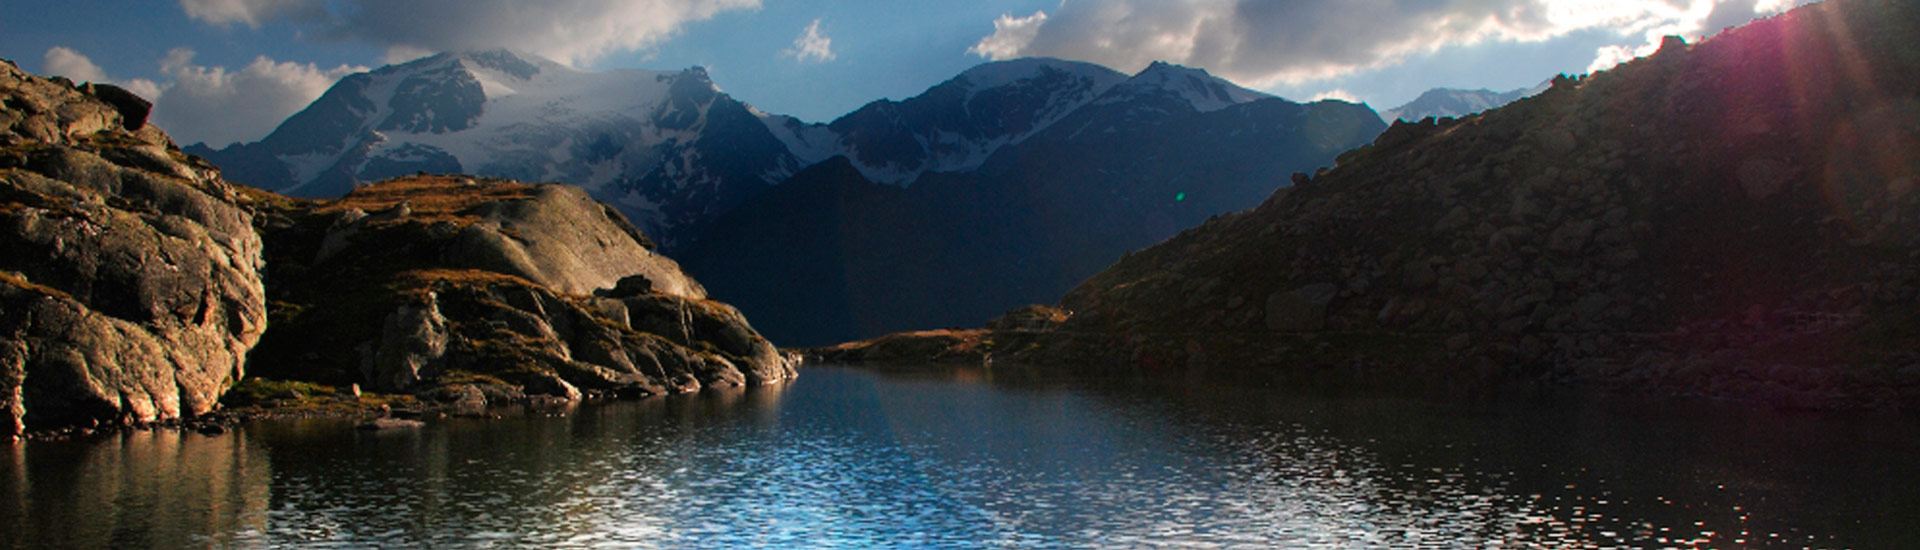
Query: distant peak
491	53
1165	69
1000	73
519	65
1200	88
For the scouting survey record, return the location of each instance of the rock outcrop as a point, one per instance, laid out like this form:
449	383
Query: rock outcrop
1733	219
130	285
473	290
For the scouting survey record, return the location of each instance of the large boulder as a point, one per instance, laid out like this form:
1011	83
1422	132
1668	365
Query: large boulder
130	285
553	235
436	285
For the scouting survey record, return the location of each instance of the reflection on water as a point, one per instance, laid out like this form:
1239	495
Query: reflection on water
158	489
978	458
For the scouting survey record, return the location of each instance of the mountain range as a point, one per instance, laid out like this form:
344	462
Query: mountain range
1023	176
1142	159
669	148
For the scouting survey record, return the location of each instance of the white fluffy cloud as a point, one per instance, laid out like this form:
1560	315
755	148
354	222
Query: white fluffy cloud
251	12
810	45
1704	18
1010	36
1338	94
63	61
216	105
1263	42
568	31
220	105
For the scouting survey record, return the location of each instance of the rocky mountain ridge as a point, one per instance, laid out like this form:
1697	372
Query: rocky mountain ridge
956	125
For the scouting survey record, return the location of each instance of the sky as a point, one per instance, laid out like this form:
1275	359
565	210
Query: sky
221	71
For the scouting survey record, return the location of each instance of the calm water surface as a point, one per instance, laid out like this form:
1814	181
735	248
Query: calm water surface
977	458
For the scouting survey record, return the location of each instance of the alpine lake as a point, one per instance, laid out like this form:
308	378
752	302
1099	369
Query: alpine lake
997	457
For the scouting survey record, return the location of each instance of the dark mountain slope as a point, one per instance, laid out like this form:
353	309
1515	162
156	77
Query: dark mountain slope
1736	218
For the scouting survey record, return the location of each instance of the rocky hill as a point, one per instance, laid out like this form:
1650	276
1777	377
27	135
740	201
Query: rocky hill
1142	159
130	282
1735	219
137	286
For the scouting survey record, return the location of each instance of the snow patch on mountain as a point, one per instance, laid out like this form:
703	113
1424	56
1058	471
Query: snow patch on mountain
811	143
999	74
1203	91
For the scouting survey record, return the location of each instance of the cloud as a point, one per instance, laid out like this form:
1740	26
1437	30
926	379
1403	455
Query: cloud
64	61
1336	94
1265	43
569	31
1010	36
252	12
219	106
216	105
1706	18
1608	56
401	54
810	45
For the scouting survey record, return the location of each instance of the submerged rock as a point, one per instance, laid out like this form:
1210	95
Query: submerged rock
378	424
130	285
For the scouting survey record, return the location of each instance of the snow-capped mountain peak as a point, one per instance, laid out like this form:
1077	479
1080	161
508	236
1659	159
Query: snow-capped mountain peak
1203	91
634	137
1036	71
1454	102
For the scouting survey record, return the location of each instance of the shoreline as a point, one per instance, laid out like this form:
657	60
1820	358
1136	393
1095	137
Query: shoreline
1441	363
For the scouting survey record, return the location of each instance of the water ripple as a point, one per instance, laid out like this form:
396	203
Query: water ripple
854	459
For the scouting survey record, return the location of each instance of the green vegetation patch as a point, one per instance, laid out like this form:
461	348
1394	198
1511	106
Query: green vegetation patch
432	198
15	280
286	395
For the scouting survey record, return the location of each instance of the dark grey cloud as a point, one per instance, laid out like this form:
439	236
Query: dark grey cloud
569	31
